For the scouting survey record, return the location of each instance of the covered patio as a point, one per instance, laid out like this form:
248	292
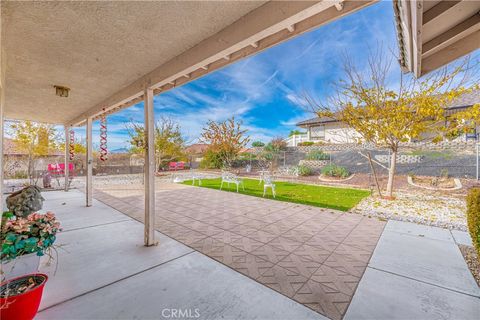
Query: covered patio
104	272
163	254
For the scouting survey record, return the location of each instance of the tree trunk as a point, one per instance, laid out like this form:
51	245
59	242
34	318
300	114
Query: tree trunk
374	174
391	173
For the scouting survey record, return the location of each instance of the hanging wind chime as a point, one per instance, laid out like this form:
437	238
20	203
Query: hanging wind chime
71	146
103	138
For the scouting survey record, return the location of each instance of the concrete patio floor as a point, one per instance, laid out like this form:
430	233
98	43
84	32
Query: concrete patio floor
312	255
104	272
416	272
315	256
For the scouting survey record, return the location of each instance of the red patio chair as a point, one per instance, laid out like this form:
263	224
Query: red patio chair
172	166
180	165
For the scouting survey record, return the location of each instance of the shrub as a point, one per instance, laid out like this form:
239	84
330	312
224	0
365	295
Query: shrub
211	160
306	144
246	156
317	155
473	216
304	170
332	170
258	144
276	145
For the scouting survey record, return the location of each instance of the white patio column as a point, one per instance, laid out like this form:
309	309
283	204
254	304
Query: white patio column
89	179
67	157
149	170
309	134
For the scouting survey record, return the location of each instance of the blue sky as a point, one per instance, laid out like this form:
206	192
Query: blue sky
265	90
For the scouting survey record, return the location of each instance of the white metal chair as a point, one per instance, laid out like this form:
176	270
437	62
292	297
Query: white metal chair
262	173
196	177
228	178
268	183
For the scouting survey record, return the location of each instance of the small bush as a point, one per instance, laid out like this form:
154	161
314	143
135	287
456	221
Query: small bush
473	216
317	155
276	145
211	160
304	171
332	170
258	144
306	144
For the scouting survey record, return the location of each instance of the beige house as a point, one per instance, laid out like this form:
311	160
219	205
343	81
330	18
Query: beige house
330	130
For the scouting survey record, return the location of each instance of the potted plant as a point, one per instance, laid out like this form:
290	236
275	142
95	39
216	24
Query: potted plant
20	297
24	241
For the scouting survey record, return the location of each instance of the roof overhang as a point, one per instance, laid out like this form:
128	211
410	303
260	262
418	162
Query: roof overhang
432	34
109	52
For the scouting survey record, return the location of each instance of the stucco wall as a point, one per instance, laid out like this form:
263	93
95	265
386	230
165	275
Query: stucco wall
340	133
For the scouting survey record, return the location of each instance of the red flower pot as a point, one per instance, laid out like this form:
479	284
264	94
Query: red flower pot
25	305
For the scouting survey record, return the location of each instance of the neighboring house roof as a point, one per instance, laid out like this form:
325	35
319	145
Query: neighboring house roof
465	101
197	148
317	120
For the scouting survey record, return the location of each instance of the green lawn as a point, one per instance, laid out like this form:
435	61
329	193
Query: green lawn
319	196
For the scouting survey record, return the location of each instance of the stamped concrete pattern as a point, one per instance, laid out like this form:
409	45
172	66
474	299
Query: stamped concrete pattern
312	255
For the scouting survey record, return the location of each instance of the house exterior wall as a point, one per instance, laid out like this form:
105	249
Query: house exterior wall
337	132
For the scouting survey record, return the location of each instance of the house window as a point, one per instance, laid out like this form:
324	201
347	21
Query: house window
317	132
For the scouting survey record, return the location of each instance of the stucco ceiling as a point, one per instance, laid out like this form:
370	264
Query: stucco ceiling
95	48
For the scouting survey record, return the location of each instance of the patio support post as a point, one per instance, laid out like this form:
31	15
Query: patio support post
89	179
2	101
149	170
67	158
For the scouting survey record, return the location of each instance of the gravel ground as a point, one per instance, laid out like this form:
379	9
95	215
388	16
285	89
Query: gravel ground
472	260
438	211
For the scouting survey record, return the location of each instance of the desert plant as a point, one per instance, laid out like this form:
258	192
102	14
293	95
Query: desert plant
444	174
332	170
306	143
317	155
473	216
304	170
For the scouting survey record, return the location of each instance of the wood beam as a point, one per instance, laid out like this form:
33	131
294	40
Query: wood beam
436	11
270	20
416	7
149	168
453	51
89	178
66	160
461	30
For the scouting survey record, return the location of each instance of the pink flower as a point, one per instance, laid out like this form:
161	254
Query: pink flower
50	215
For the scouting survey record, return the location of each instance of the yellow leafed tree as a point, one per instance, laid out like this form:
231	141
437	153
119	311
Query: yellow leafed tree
389	115
34	140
